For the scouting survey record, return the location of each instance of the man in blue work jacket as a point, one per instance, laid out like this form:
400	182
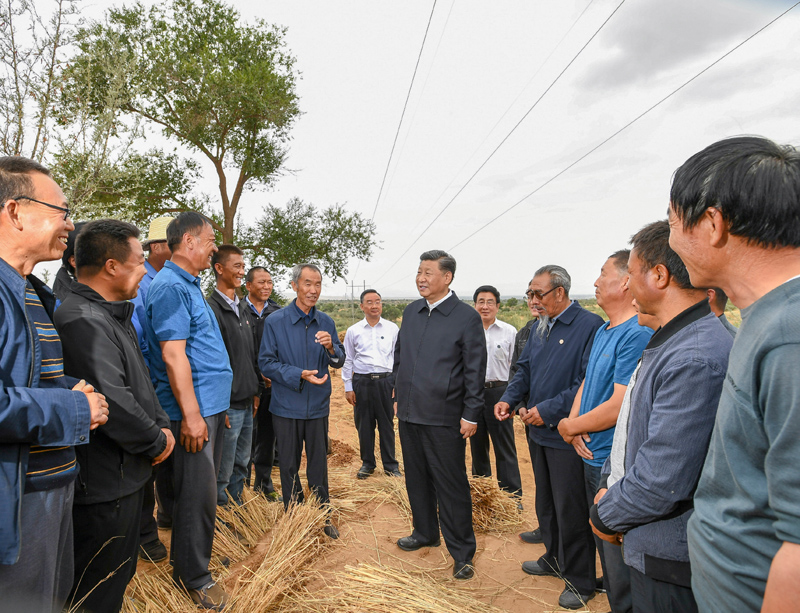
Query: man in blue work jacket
550	371
298	345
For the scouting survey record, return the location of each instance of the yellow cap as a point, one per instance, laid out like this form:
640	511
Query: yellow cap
158	230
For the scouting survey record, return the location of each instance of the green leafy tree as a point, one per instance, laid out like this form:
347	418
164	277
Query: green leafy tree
221	90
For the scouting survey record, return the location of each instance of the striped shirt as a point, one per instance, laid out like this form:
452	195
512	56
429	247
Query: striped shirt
48	467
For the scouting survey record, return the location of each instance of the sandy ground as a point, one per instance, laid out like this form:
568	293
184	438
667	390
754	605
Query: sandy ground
369	534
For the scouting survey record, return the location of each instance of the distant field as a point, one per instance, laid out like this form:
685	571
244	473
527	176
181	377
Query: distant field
513	311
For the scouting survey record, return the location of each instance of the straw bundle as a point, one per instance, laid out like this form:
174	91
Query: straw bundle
494	511
155	593
387	590
238	526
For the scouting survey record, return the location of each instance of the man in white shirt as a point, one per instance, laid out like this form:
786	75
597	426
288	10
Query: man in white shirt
368	383
500	339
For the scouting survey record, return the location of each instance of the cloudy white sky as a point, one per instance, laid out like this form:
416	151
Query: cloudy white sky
483	66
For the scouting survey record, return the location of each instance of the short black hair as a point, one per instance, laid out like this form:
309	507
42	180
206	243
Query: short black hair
368	291
252	273
71	247
188	221
15	177
621	259
720	298
652	247
103	240
222	254
446	261
752	181
486	288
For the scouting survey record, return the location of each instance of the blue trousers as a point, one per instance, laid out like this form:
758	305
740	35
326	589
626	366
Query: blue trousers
236	447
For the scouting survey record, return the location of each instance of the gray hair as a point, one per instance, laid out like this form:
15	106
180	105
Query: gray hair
298	269
559	277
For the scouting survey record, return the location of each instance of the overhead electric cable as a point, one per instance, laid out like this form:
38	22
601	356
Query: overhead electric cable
502	142
625	127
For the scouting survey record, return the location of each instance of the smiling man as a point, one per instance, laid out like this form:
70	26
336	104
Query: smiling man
193	378
39	412
439	372
237	333
299	344
500	338
368	383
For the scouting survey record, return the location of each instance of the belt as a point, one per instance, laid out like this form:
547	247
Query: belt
490	384
372	375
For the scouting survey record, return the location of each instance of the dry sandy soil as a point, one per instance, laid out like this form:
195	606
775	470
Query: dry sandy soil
369	534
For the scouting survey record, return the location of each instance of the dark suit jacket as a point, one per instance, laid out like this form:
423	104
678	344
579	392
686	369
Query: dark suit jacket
440	364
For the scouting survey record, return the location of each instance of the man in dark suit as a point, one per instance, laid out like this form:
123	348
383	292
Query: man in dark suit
439	368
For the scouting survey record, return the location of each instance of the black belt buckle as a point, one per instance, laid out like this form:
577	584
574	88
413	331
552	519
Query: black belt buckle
492	384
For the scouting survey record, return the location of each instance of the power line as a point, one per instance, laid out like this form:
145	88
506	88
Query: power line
405	105
625	127
502	142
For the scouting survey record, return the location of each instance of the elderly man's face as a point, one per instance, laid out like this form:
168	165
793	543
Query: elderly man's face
308	288
46	230
544	298
203	247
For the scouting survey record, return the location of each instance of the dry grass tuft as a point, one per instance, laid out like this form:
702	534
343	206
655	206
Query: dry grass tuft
155	593
494	511
387	590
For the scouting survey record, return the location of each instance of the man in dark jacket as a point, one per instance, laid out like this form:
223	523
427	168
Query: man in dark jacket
237	334
439	370
258	306
550	371
298	346
94	322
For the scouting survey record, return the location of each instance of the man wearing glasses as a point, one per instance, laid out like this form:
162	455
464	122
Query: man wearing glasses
550	371
43	414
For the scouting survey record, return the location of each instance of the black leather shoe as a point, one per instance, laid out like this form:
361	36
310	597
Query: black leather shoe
365	471
463	570
154	551
409	543
534	537
331	531
570	599
393	473
598	585
534	568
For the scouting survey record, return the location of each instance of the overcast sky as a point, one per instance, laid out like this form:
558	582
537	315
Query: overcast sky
483	66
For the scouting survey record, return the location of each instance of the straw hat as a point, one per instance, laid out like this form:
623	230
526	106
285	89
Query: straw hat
158	230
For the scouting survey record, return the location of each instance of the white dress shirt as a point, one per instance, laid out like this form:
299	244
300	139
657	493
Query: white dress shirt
500	338
234	304
368	349
438	302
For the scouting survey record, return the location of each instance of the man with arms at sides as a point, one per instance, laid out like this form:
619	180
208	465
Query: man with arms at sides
41	418
237	333
617	346
439	372
532	537
151	548
550	371
259	305
193	378
735	219
718	300
664	427
298	346
367	375
500	338
94	323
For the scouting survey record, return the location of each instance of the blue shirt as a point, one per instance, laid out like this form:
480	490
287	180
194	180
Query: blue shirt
175	309
551	369
138	303
614	356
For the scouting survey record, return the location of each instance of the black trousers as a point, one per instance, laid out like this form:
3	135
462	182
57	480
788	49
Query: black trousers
436	476
159	487
148	529
564	516
194	478
653	596
106	537
373	408
263	445
501	434
293	434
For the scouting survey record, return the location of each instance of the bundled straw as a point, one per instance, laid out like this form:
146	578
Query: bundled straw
238	526
387	590
155	593
494	511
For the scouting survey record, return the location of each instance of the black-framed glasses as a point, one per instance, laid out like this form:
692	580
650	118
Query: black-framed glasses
52	206
538	294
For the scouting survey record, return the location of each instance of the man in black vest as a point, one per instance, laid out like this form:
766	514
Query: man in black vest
439	369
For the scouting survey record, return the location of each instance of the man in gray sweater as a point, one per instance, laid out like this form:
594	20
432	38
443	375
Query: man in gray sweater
663	429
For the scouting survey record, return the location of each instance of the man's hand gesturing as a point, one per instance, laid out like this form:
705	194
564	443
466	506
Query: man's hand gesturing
310	376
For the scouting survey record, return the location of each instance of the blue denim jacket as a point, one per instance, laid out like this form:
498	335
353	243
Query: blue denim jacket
28	415
288	347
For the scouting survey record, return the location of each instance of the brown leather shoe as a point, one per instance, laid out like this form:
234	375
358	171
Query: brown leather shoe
210	596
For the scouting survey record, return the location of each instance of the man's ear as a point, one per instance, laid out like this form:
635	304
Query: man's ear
717	227
111	267
218	270
661	276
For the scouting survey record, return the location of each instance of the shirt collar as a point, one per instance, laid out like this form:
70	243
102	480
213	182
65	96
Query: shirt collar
252	306
233	303
151	271
365	323
677	323
438	302
182	273
298	314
